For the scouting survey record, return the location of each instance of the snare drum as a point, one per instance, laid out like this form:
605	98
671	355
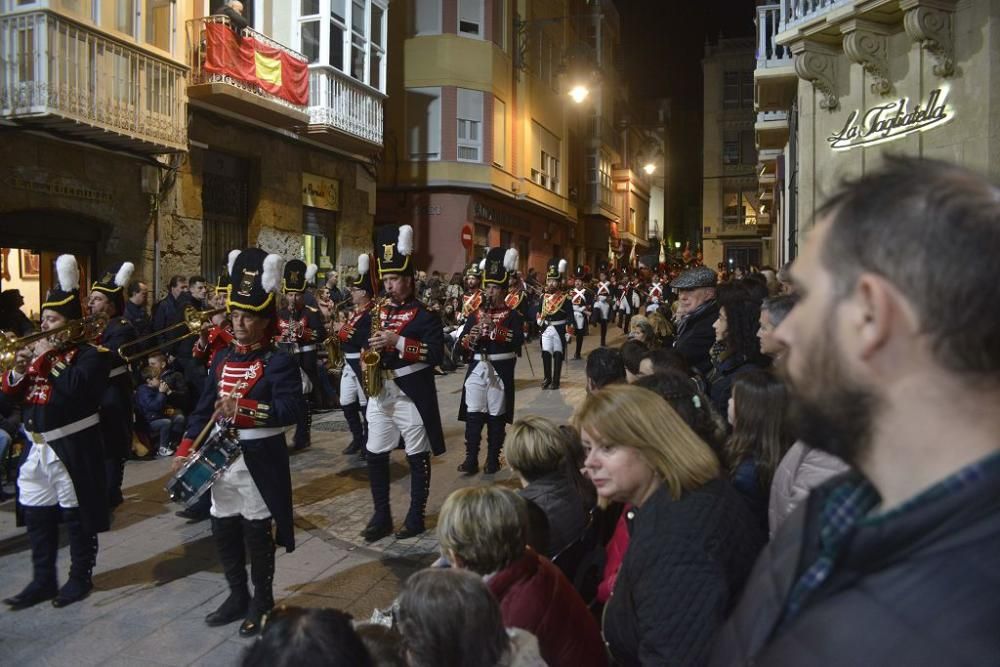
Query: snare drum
191	482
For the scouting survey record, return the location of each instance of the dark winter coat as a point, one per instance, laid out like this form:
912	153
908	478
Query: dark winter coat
695	336
685	567
536	596
150	402
918	589
556	496
116	402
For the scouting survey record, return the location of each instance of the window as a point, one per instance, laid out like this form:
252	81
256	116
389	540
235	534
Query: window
349	37
739	208
746	90
506	239
599	179
730	147
426	17
499	132
423	123
470	18
731	90
481	242
748	147
158	23
500	23
470	125
545	170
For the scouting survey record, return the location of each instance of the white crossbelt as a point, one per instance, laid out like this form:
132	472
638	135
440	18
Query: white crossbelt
503	356
407	370
555	323
115	372
352	355
260	433
48	437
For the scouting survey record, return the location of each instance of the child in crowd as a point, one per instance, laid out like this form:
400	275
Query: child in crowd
151	401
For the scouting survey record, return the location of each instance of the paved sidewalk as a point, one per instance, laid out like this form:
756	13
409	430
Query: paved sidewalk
158	576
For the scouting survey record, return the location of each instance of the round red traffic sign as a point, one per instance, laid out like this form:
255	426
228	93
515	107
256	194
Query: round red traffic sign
467	236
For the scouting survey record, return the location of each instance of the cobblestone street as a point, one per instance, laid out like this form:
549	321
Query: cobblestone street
158	576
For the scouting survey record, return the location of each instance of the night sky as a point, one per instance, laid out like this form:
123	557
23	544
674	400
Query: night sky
663	43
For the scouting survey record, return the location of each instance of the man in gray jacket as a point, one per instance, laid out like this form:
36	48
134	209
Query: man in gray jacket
893	354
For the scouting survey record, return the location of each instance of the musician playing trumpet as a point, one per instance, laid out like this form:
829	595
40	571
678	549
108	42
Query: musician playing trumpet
492	335
62	476
256	390
352	337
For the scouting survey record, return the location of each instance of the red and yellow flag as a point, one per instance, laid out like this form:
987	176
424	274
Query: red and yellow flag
254	62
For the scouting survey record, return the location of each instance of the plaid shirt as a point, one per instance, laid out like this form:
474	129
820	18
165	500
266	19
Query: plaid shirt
849	507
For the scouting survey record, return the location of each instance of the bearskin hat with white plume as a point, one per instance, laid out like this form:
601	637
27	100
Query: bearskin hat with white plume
295	276
363	280
113	282
254	281
64	298
394	250
556	269
499	265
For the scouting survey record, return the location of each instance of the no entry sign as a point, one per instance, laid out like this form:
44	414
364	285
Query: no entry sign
467	236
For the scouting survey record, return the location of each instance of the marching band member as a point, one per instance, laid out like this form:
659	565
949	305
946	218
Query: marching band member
107	298
492	335
62	474
300	328
555	319
257	390
582	302
473	297
353	336
602	304
410	340
655	295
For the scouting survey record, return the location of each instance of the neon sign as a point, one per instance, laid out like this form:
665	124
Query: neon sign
891	121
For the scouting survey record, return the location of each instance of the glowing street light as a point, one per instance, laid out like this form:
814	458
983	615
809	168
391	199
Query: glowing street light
649	168
579	93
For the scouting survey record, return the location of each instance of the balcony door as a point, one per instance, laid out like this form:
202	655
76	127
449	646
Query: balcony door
225	206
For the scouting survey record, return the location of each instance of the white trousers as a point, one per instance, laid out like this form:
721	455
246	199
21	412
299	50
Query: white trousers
44	481
652	307
484	391
552	341
350	387
602	305
236	494
579	317
392	414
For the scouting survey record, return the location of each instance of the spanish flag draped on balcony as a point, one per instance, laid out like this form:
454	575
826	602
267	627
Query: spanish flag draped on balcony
254	62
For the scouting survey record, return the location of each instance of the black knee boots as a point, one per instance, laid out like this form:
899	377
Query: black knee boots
43	533
557	362
352	413
114	470
474	422
495	432
604	333
303	431
260	544
547	369
420	487
378	476
228	534
83	558
579	347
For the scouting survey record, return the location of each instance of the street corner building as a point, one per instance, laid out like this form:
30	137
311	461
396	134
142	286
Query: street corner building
162	133
839	85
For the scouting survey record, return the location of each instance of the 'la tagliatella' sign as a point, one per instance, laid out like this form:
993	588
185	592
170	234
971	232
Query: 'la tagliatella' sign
891	121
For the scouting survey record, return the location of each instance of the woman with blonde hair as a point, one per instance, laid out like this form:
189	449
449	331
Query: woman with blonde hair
693	540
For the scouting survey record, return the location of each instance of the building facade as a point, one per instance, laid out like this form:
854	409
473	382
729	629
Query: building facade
845	83
734	230
125	141
483	141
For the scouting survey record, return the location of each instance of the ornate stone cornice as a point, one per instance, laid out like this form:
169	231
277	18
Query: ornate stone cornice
929	23
817	63
866	44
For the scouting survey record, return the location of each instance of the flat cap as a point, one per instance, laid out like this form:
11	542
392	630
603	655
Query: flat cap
700	276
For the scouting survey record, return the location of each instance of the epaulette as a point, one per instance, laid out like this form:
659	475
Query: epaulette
312	308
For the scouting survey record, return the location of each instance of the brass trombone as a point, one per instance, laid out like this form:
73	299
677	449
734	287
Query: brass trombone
191	325
73	331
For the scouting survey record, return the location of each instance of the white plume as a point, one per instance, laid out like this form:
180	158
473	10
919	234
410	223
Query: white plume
405	241
233	254
311	271
364	264
274	267
68	272
562	267
482	264
124	274
510	259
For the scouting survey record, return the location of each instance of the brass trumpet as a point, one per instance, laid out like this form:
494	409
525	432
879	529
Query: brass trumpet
74	331
191	325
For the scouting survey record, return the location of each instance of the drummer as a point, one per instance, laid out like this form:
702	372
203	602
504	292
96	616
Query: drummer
258	391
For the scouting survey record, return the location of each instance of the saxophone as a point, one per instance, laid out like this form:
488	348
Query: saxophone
371	358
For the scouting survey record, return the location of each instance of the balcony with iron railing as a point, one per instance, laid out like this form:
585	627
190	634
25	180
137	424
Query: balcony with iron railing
343	110
60	75
775	79
231	78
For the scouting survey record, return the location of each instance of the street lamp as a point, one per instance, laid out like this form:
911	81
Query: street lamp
579	93
649	167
